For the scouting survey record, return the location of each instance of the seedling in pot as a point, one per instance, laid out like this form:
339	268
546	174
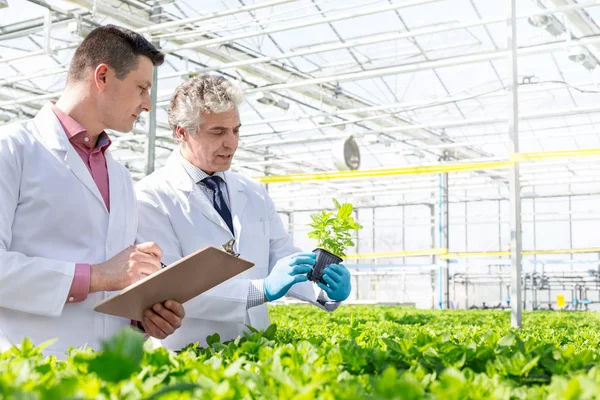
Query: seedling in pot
333	232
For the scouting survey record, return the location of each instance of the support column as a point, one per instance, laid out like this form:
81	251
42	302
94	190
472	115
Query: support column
47	32
150	151
514	179
291	225
443	242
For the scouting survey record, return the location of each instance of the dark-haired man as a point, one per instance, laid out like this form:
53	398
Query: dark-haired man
68	215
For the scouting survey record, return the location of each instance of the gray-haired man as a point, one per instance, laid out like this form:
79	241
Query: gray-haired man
194	201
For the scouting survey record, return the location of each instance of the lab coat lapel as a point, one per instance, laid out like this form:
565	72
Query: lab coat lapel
116	180
196	198
238	200
52	135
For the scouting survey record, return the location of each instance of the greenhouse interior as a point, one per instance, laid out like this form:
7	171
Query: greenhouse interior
461	135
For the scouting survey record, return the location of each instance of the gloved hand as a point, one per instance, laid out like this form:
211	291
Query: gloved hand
287	272
338	285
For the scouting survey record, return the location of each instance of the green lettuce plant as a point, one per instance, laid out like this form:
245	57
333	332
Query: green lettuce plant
334	230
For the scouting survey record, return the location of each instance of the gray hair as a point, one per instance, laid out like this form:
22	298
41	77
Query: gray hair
201	94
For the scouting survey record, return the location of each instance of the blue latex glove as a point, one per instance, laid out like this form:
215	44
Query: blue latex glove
286	273
338	285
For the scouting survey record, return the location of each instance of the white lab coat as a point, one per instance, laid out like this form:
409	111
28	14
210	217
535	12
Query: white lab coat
52	216
177	215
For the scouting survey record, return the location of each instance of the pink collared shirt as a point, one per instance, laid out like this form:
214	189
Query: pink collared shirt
95	161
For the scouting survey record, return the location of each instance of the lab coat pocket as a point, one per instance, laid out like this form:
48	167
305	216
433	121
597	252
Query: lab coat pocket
255	244
257	226
257	229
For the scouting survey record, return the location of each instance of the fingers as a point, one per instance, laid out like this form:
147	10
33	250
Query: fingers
325	288
152	329
145	259
304	255
340	269
142	270
163	320
330	282
334	275
300	269
143	263
173	320
300	278
302	259
150	248
162	324
176	308
309	255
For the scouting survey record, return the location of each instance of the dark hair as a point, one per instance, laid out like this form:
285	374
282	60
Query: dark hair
115	46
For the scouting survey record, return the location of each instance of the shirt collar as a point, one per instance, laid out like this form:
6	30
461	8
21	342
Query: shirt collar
70	126
194	172
104	141
75	130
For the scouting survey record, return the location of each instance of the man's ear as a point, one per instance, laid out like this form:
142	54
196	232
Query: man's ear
100	76
181	133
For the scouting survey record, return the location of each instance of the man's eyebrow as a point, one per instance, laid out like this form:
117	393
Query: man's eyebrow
223	127
146	84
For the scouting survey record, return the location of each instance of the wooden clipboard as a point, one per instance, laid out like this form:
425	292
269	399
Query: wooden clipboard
180	281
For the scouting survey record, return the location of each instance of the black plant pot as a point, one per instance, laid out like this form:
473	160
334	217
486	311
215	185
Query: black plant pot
324	259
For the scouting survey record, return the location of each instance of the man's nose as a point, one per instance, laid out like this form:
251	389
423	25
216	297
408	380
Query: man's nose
231	140
147	102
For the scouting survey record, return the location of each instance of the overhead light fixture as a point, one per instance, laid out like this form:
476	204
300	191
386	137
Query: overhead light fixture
267	98
327	120
581	55
79	28
284	105
189	75
548	22
384	140
417	153
370	138
337	90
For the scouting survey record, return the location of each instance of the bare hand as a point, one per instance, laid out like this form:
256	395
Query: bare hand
161	320
127	267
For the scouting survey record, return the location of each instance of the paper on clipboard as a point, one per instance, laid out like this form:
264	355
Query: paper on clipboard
180	281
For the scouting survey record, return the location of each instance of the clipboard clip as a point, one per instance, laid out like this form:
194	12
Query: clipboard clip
228	248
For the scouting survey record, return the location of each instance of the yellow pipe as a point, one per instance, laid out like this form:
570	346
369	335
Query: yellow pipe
549	155
432	168
376	173
476	254
568	251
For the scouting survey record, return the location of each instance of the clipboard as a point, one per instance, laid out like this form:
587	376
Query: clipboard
180	281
